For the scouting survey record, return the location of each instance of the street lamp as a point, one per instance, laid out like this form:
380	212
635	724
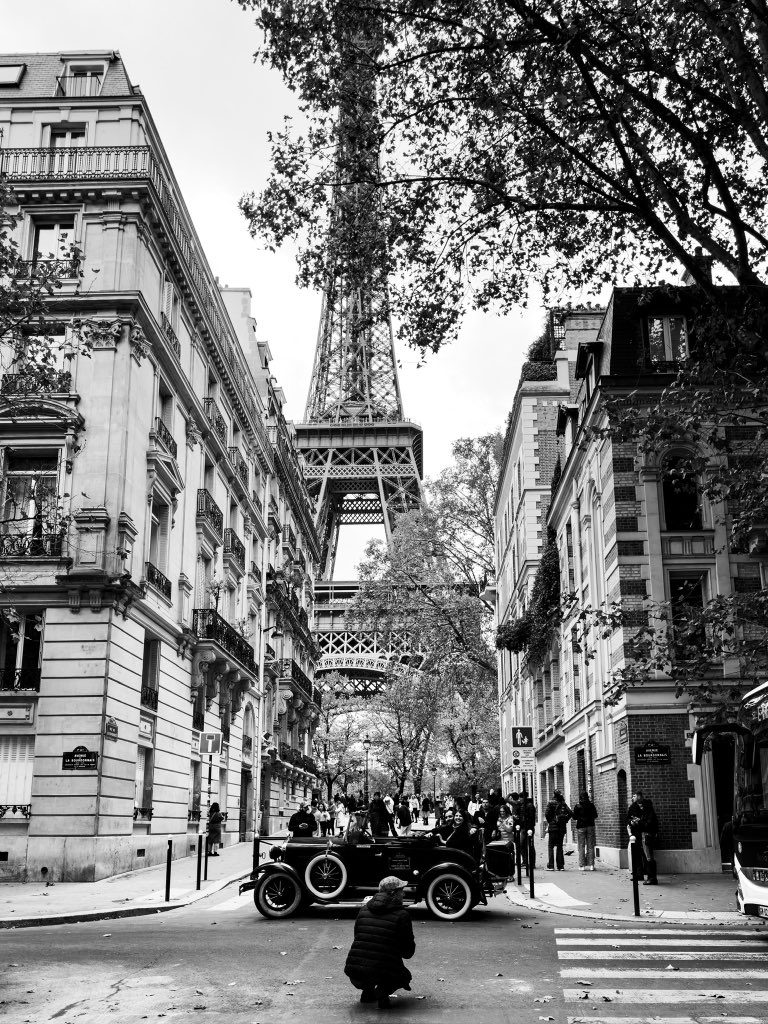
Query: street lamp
434	769
367	746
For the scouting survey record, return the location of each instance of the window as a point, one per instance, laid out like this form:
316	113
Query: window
680	496
17	759
687	596
81	80
171	305
159	534
195	786
67	136
31	506
52	242
667	339
143	787
20	651
150	674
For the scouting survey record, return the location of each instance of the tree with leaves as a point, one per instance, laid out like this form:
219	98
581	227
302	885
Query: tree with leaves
336	738
570	141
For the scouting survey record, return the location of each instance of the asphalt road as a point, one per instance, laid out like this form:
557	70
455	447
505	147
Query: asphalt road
220	960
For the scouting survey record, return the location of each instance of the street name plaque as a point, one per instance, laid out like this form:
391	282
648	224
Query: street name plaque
652	753
81	759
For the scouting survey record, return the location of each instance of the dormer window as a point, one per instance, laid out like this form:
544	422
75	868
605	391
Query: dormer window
81	80
667	339
12	74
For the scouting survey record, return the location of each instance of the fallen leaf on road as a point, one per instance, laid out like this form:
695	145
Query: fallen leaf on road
499	975
587	984
584	995
199	1006
671	967
543	999
421	997
546	1018
283	953
107	935
335	947
198	991
607	999
231	983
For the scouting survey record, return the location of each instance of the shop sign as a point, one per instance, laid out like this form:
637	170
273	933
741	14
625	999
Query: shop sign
81	759
652	753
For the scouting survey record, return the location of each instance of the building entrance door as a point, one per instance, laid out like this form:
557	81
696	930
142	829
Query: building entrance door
245	802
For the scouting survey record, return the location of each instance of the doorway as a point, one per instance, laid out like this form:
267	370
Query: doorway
723	752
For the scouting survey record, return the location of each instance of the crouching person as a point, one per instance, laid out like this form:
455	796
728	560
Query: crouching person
383	939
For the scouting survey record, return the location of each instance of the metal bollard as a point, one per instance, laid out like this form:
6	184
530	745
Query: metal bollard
519	856
207	852
200	841
256	840
531	860
633	851
168	861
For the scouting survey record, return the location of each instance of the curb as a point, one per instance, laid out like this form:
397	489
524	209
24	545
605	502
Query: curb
111	914
518	899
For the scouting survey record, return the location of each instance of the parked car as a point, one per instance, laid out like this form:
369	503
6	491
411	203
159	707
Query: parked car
349	867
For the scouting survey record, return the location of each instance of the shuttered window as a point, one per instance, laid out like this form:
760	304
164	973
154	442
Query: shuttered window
17	758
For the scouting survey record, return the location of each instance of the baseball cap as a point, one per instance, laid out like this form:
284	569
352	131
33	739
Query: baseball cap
391	884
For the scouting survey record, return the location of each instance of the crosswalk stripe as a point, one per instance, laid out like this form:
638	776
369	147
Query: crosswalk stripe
662	942
756	931
664	995
640	974
653	954
666	1020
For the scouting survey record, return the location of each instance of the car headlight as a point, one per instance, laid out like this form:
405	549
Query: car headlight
274	852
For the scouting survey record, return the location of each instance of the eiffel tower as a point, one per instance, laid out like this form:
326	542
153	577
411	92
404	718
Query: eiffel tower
362	457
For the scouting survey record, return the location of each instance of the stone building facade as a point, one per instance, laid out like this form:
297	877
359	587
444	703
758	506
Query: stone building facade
139	483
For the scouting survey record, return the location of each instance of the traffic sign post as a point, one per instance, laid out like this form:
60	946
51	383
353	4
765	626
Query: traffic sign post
523	753
210	744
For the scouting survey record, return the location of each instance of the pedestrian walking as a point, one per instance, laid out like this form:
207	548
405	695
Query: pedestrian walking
383	939
425	807
558	814
379	818
390	803
342	817
324	819
215	821
584	817
643	824
403	817
351	803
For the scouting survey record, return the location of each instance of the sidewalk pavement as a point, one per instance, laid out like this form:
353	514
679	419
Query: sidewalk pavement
25	904
606	894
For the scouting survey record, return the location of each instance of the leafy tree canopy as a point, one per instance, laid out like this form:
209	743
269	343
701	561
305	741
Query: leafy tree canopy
576	142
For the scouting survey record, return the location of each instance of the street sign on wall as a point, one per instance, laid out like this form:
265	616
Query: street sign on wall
523	755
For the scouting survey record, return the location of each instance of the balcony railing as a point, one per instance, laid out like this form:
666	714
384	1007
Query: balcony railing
198	720
193	814
291	537
209	625
166	437
142	812
46	270
23	810
234	546
208	510
269	652
215	418
149	697
240	465
20	679
308	764
248	746
157	579
274	510
257	502
27	545
36	381
289	669
78	85
170	334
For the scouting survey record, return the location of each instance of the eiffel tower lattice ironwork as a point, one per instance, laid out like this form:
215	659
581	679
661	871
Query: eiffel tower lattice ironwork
363	458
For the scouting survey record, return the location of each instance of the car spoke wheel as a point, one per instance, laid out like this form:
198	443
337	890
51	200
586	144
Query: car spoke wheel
449	896
277	895
326	876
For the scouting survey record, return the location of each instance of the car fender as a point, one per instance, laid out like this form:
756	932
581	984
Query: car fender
273	868
438	869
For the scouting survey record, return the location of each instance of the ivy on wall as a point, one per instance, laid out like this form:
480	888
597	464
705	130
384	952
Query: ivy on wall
535	630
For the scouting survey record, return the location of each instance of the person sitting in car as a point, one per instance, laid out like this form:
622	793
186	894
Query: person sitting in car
302	822
462	836
438	836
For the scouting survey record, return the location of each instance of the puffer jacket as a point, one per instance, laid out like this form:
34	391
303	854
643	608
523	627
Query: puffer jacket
383	939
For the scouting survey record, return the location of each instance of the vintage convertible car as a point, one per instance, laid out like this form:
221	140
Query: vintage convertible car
349	867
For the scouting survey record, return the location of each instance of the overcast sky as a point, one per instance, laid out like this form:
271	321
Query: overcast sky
213	107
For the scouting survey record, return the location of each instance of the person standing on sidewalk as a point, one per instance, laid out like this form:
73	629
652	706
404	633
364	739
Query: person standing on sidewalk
584	816
426	805
215	821
383	939
643	824
558	814
403	817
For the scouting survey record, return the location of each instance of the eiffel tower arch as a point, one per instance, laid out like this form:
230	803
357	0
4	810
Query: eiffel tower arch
363	459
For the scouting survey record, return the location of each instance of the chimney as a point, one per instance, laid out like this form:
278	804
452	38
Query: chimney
703	262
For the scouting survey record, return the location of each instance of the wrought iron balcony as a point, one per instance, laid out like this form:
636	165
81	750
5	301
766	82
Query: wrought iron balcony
274	510
170	334
290	670
240	465
291	537
78	85
257	502
198	720
149	697
301	559
215	418
269	652
209	511
209	625
308	764
28	545
36	381
193	814
157	579
165	437
25	810
234	546
20	679
142	812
